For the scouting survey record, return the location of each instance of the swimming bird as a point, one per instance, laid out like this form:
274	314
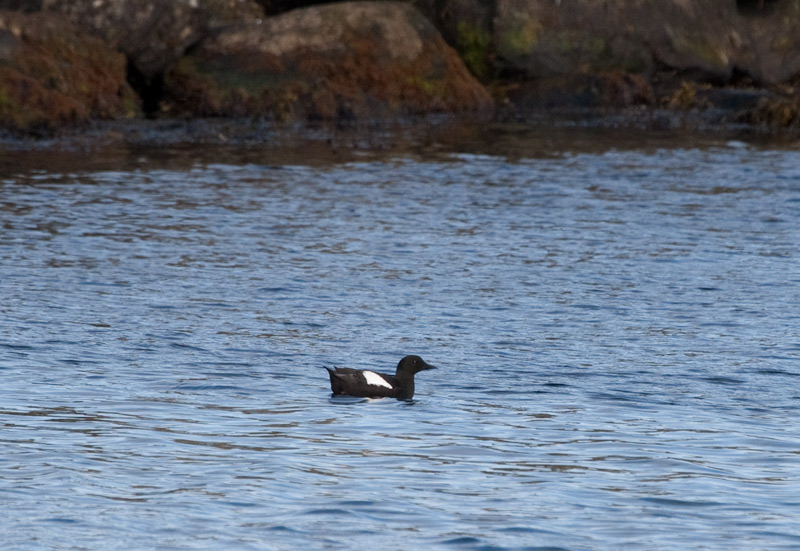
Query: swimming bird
370	384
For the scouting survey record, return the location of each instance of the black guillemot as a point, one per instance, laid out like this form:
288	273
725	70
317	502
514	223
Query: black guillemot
370	384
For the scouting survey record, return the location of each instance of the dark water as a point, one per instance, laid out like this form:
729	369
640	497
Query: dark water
617	331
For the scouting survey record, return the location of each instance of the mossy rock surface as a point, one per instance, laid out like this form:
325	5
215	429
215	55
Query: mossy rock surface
51	75
350	60
710	40
152	34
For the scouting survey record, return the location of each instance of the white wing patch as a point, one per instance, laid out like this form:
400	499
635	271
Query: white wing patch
375	379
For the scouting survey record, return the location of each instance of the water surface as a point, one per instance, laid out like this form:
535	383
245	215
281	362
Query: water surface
617	331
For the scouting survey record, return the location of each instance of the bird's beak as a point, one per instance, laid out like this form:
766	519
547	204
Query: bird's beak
429	366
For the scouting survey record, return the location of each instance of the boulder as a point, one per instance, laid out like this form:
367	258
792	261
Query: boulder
221	12
709	40
153	35
543	38
346	60
467	25
52	75
770	44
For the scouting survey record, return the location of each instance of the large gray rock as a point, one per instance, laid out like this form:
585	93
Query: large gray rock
51	75
220	12
543	38
153	35
770	45
342	60
705	39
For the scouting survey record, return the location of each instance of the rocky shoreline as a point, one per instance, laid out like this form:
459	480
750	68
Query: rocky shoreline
68	66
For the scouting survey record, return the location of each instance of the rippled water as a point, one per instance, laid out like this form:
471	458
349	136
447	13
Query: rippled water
617	333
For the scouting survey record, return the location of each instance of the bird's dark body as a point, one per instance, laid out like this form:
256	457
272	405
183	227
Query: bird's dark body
352	382
371	384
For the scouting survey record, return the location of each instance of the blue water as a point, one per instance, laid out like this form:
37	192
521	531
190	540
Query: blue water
617	332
